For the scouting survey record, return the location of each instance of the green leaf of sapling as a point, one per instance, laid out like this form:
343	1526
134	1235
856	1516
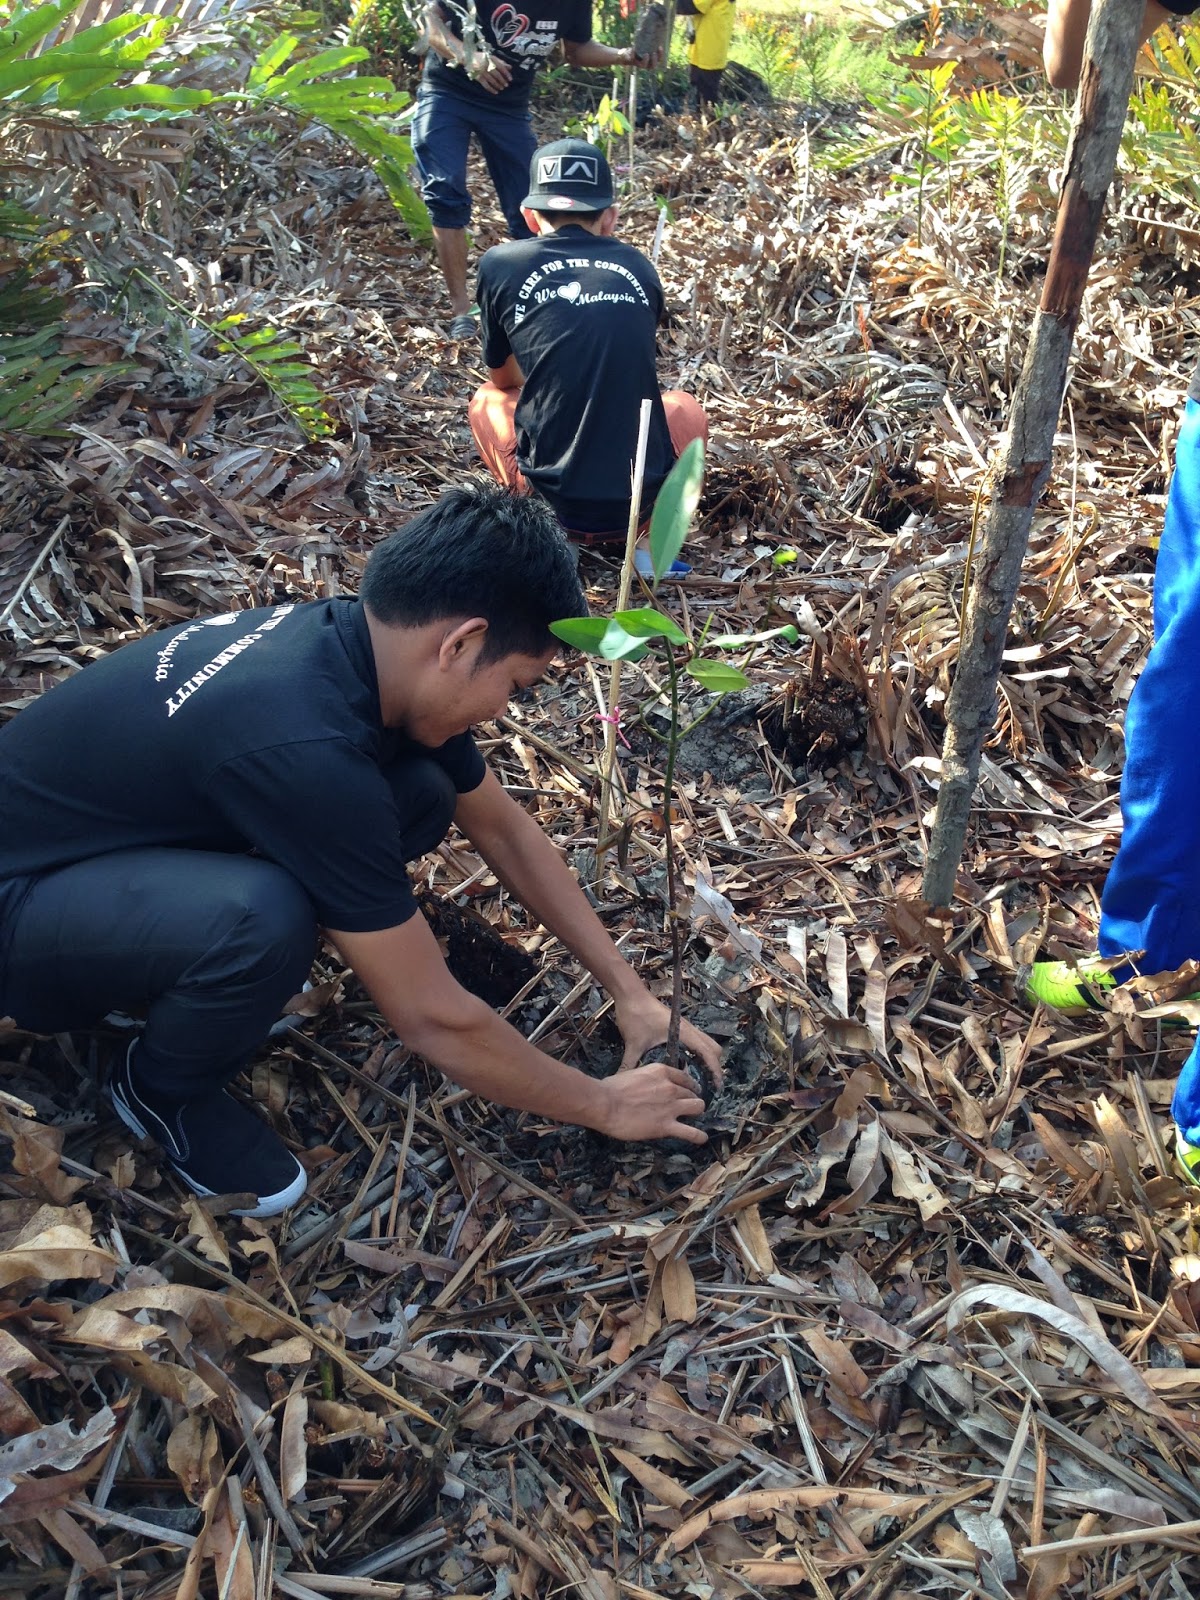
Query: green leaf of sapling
599	636
734	641
271	59
716	677
617	645
646	623
675	508
583	633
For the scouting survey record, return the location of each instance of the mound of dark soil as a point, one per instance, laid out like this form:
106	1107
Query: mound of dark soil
582	1165
816	723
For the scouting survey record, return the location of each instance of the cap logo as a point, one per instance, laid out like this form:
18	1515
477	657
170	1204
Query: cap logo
568	169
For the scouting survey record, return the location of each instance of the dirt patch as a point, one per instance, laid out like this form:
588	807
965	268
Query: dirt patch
727	743
745	491
895	495
483	962
584	1166
726	746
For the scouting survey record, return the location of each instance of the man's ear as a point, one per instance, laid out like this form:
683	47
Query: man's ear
461	643
608	221
534	221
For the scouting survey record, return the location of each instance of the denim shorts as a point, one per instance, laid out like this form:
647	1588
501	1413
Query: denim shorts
441	136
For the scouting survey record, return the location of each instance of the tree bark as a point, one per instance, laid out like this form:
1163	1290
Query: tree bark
1024	464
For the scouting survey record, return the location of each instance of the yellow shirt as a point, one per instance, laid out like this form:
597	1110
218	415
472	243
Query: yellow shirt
714	33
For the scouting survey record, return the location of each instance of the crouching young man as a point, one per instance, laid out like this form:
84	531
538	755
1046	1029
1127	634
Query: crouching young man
569	320
181	819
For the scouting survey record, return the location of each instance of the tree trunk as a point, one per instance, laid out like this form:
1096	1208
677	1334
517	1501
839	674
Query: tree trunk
1024	464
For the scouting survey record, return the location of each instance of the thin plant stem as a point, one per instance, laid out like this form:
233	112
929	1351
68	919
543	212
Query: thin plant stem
672	892
923	167
1067	567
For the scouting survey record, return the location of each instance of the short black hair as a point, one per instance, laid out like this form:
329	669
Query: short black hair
478	551
561	218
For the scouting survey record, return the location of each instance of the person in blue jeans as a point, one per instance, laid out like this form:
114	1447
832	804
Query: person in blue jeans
477	80
1151	898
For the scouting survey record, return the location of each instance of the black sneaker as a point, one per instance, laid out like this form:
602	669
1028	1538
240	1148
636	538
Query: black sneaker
215	1145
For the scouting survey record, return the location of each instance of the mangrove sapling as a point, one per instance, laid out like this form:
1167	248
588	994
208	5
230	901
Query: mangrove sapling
646	632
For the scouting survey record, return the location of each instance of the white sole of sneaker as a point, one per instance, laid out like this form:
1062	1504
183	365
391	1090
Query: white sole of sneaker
269	1205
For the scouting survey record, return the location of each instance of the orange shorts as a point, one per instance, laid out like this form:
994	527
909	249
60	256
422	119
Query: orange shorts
492	415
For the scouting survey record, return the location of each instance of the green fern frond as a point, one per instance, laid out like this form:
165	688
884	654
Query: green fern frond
39	388
41	391
25	304
113	71
362	111
19	224
281	364
72	75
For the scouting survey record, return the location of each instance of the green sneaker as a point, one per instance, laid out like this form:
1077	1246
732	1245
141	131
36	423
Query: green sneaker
1069	987
1187	1159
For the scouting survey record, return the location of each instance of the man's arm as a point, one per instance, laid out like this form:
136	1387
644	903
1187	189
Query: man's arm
1066	25
509	376
403	971
530	867
493	74
496	347
594	54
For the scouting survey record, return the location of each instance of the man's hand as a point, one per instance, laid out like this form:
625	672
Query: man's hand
647	1103
645	1022
490	73
529	866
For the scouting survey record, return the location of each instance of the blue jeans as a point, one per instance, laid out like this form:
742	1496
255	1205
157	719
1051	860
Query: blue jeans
441	137
1151	897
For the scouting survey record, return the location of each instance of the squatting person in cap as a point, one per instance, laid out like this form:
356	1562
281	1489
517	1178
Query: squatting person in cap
180	819
480	85
569	321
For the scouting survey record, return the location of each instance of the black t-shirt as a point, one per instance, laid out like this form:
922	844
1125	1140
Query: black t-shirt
579	312
259	731
522	35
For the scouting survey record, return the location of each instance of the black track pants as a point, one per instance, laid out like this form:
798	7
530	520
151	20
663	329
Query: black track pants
209	947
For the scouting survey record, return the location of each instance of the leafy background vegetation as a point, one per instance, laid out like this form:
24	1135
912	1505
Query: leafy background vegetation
954	103
267	74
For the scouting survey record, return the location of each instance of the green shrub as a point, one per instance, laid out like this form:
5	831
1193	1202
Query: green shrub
810	59
129	68
388	29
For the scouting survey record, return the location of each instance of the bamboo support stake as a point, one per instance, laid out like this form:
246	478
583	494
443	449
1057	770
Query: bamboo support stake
659	230
633	71
614	682
1024	462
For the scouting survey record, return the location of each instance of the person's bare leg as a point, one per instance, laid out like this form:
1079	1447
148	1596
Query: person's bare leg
451	247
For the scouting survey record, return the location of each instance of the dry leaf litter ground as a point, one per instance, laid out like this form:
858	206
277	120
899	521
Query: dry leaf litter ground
921	1319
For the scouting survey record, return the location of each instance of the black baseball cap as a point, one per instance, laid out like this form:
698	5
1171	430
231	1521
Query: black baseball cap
569	175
